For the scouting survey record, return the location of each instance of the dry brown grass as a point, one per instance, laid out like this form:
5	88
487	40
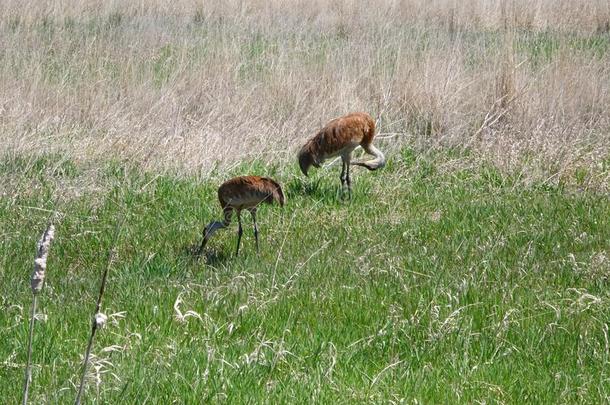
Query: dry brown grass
189	85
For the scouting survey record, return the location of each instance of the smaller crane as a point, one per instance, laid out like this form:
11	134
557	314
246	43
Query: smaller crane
237	194
339	138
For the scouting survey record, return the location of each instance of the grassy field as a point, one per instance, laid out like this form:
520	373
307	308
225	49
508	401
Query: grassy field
473	268
441	281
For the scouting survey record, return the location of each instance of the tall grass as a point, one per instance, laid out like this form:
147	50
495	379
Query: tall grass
192	85
439	282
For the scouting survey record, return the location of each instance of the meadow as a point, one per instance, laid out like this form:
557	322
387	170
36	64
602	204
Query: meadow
472	268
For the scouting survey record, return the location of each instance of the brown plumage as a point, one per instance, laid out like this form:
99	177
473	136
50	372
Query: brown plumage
237	194
339	138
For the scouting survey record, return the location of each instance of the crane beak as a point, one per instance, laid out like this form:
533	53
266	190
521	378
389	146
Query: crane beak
203	242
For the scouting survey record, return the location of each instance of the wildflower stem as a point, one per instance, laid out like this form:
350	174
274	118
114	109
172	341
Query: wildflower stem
94	324
86	363
28	367
94	327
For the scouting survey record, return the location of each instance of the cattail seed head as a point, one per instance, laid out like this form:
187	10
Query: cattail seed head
40	263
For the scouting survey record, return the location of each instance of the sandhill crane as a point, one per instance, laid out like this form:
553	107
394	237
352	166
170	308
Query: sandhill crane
339	138
237	194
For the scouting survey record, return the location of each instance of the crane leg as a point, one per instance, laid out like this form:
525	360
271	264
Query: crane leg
345	180
348	180
343	177
239	232
253	212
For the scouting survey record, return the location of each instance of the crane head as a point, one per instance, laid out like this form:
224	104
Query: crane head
210	230
305	161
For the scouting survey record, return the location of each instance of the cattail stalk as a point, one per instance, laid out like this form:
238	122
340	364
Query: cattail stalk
36	283
99	319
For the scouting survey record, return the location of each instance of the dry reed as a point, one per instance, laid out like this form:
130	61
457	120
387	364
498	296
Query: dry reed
37	282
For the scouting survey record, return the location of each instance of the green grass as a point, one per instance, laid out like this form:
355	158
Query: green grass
436	283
